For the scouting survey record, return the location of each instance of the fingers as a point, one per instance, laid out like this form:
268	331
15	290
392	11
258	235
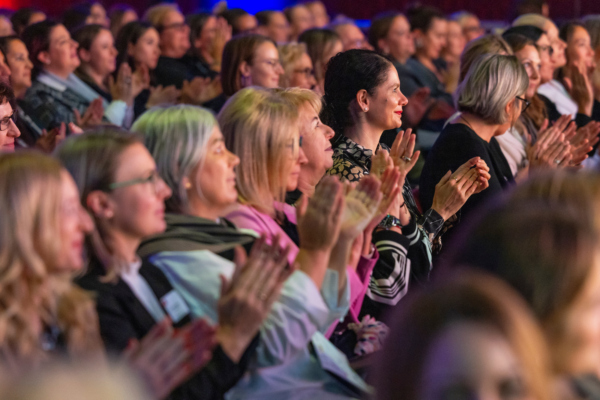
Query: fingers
444	179
464	169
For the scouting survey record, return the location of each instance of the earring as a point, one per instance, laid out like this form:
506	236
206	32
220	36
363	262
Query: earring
188	185
365	109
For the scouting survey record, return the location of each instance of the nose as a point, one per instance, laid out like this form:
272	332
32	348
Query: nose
163	191
279	69
329	133
302	157
74	44
13	131
29	64
235	160
534	74
403	100
85	221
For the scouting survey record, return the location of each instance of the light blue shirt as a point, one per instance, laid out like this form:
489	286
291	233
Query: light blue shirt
293	360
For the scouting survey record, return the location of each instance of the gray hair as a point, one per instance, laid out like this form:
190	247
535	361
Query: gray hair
592	24
491	83
176	137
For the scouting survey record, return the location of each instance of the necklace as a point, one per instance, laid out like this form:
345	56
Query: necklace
464	119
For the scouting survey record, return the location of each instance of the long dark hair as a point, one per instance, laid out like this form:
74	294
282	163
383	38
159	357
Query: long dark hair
347	73
37	39
129	33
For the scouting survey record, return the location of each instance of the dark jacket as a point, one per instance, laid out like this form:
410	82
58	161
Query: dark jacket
123	317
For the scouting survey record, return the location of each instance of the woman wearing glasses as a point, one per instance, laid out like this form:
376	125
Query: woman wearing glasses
491	100
297	67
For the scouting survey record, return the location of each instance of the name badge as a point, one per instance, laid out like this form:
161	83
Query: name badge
175	306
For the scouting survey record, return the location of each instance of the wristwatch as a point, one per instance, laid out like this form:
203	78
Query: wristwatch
389	222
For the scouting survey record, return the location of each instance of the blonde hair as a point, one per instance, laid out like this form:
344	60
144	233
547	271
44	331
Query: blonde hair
258	125
156	14
300	98
289	55
30	197
536	20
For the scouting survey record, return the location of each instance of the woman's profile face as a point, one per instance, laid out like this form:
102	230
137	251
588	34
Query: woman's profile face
547	66
20	66
530	59
102	53
434	40
385	106
75	223
213	179
62	51
146	50
470	360
138	209
302	74
579	49
316	144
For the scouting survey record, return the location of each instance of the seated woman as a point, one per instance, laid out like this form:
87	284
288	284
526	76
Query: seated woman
362	99
429	29
545	245
468	336
297	67
200	171
490	100
57	95
122	191
98	62
248	60
9	132
321	45
137	45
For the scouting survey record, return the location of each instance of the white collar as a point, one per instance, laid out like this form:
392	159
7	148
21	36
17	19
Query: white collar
53	81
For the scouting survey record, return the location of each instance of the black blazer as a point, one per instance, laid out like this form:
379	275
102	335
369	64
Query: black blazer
123	317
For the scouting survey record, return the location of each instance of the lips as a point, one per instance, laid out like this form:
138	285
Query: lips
9	146
398	113
329	149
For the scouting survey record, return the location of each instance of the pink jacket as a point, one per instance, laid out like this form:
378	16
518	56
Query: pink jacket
248	217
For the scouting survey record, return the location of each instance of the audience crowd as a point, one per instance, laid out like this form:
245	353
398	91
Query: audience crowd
286	206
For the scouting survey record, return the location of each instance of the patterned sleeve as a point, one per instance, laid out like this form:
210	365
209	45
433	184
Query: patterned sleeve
346	170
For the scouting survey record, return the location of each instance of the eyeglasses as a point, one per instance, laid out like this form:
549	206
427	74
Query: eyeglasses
5	122
308	72
153	178
180	26
526	102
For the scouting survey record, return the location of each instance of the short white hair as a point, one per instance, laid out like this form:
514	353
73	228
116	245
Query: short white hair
491	83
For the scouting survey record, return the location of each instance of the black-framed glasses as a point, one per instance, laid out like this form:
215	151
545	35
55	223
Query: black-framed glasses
153	178
526	102
5	122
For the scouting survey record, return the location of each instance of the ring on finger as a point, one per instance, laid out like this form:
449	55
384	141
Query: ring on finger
262	296
407	159
557	161
455	178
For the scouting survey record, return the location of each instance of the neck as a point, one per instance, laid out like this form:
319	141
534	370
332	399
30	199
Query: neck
60	73
20	91
124	246
207	211
96	77
401	59
306	187
483	129
426	61
364	134
171	53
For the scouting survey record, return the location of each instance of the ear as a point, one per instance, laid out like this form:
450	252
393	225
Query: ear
362	99
84	55
245	69
44	57
509	109
100	205
382	44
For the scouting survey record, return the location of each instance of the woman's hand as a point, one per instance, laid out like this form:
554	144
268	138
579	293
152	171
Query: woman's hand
200	90
403	152
579	86
122	88
140	80
222	36
247	298
361	205
166	358
92	116
454	189
582	142
162	96
552	149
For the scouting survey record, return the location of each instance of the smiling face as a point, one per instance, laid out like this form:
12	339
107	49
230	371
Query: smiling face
212	187
20	66
102	56
146	50
75	223
558	58
579	48
61	57
265	68
8	130
137	210
547	66
530	58
385	106
316	145
470	360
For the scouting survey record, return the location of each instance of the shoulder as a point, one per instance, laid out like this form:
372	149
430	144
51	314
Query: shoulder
346	169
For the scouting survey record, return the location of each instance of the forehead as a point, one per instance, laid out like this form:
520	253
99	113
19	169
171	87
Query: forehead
150	33
133	161
278	18
267	49
59	32
172	17
400	22
580	33
529	52
5	110
17	46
